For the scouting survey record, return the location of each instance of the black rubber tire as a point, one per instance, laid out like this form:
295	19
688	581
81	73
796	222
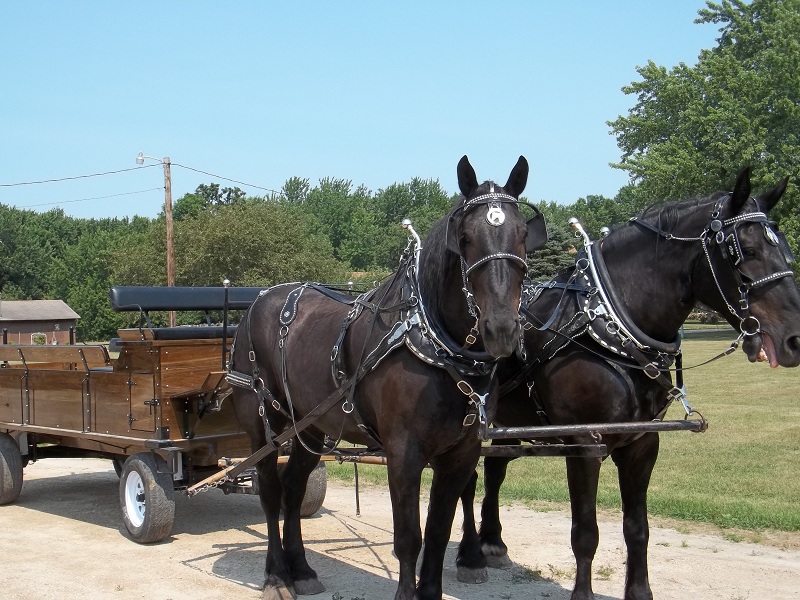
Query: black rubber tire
147	498
316	489
10	469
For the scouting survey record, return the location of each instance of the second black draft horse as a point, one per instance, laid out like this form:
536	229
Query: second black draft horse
590	366
407	368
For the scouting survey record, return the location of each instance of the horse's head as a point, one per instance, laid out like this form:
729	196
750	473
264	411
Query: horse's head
749	261
491	236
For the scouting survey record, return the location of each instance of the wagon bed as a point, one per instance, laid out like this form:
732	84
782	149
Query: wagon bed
156	409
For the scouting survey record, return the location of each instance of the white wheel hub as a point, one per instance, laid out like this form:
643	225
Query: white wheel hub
134	498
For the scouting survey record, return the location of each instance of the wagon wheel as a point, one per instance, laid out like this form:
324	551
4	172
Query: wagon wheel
315	491
147	497
10	469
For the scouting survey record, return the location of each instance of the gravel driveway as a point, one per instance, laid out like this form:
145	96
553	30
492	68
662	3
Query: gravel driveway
64	539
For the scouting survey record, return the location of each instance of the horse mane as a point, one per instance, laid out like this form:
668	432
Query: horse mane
667	214
437	262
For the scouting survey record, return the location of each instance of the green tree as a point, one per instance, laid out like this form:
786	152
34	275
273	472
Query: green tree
693	128
295	190
422	200
26	251
205	197
253	244
596	212
557	254
82	278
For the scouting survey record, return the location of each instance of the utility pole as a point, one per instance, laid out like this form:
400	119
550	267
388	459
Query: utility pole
170	237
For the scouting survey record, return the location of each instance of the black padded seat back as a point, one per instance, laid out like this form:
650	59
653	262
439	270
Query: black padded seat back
151	298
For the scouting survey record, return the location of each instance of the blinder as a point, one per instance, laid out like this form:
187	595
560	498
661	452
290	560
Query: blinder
537	231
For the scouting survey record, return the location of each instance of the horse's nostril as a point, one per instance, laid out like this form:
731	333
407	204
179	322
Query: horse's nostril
794	343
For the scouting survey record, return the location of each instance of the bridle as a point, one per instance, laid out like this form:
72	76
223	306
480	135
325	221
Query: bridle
724	233
495	216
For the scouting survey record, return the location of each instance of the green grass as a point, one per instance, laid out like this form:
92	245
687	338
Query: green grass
744	472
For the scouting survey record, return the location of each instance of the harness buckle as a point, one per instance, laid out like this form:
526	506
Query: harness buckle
651	370
252	355
465	388
348	407
470	419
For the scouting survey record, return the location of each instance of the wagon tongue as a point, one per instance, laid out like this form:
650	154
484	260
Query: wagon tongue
767	352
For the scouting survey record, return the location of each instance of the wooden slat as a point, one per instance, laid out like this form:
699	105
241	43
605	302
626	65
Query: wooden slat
95	355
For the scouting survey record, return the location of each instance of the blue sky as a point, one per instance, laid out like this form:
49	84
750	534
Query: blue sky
372	92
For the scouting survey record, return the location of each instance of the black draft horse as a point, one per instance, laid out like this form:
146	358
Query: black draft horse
720	250
410	369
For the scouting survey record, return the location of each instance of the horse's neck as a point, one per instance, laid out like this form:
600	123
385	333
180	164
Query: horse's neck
446	305
652	278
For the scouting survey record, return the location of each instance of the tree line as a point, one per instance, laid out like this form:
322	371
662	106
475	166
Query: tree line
689	132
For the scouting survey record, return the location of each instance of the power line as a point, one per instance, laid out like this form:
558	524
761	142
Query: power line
75	177
21	183
87	199
258	187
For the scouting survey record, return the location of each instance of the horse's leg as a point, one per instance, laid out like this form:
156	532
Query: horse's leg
404	474
278	584
470	560
295	478
451	474
635	464
582	477
492	545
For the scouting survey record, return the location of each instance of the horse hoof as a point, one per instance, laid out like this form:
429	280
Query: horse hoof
308	587
276	589
496	557
499	562
466	575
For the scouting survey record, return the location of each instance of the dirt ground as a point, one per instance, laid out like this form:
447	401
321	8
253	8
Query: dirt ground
64	539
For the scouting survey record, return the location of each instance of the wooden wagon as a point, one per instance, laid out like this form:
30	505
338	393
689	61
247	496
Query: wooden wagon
155	406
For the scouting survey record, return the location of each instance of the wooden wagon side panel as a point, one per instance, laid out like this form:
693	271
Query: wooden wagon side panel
12	395
185	367
58	399
123	403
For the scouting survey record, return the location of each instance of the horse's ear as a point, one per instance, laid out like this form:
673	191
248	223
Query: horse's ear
770	199
467	180
518	178
741	191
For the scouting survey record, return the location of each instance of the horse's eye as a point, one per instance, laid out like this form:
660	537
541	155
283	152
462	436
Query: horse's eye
749	252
